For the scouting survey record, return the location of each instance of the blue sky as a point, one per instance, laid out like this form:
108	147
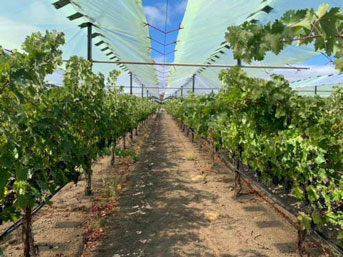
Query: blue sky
163	19
155	11
17	22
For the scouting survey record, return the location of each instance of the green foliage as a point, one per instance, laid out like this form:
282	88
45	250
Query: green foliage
48	135
322	28
126	153
286	138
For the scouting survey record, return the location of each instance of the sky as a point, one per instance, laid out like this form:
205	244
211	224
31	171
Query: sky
14	27
165	15
155	11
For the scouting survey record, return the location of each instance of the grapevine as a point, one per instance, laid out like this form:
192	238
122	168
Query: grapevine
49	136
289	140
322	28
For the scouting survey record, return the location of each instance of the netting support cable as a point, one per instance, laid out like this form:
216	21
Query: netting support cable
199	65
159	30
178	88
163	44
164	54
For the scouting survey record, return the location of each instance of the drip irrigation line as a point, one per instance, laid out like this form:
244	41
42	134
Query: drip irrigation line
16	225
249	182
36	209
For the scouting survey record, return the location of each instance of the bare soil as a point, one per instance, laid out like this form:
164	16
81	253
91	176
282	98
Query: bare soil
178	203
175	201
75	222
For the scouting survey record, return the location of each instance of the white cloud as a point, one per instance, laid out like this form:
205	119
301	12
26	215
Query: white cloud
294	75
36	16
44	13
180	8
159	58
155	16
15	32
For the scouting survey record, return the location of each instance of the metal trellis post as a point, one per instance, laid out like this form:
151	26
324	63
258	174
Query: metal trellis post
142	90
182	91
89	45
193	84
315	90
130	83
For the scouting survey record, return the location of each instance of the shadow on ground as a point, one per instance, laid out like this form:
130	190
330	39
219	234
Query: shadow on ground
153	217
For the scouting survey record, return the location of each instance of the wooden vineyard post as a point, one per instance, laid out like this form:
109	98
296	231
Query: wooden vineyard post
238	181
211	140
27	235
88	173
301	239
113	159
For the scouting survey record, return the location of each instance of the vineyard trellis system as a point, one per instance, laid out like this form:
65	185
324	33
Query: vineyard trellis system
257	187
287	139
50	135
37	208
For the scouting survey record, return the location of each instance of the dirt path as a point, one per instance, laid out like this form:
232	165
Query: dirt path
172	202
177	204
74	222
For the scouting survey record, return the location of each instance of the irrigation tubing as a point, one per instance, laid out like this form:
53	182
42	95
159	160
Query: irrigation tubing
249	182
35	210
16	225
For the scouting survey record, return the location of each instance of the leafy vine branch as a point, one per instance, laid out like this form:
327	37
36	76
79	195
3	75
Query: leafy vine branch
322	27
